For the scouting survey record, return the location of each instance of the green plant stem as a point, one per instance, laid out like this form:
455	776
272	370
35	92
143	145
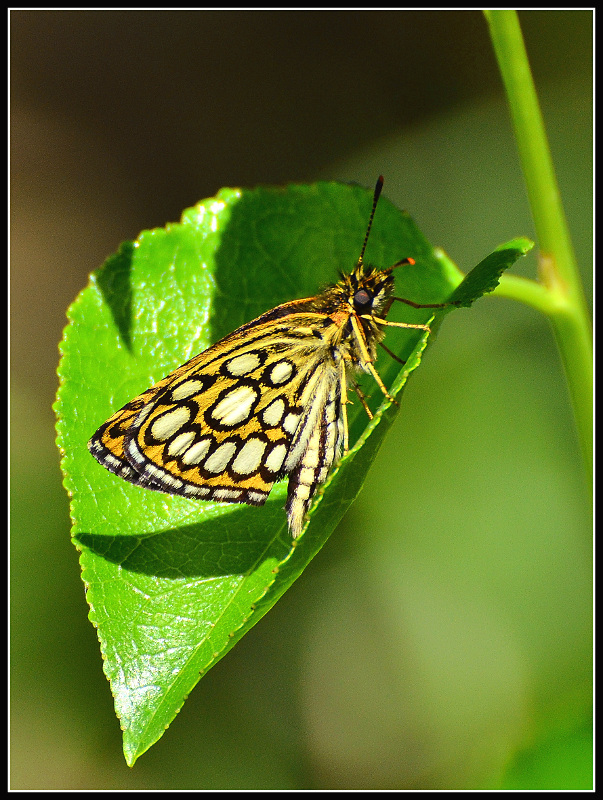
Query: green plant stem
526	291
560	294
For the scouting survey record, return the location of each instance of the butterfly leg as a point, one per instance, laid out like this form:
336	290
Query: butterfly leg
421	305
362	399
367	361
418	326
403	263
392	355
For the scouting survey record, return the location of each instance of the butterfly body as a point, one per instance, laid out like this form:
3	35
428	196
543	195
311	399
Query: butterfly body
267	401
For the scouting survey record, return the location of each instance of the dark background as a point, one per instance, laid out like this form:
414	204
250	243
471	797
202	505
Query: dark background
446	625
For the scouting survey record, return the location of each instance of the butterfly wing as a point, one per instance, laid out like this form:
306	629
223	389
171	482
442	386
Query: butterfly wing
234	419
107	444
318	441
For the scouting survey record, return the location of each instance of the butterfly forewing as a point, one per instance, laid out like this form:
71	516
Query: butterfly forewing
107	444
230	422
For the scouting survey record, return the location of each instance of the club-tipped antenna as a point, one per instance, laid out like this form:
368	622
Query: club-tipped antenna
378	187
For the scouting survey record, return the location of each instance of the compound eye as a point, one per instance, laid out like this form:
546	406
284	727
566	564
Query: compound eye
362	300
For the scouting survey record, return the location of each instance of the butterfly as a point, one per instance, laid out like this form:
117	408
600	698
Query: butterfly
267	401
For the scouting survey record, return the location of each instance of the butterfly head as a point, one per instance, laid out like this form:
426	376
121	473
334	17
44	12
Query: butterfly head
368	290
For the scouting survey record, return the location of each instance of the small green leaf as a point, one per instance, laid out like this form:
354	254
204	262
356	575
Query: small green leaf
484	278
173	583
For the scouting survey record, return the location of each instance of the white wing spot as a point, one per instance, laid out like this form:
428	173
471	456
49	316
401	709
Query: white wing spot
226	495
187	389
249	457
144	413
243	365
196	452
151	469
273	413
169	423
281	372
219	458
236	406
180	443
175	482
311	455
257	498
306	476
136	455
198	491
291	422
275	458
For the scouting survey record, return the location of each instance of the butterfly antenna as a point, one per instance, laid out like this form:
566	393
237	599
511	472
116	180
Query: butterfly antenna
378	188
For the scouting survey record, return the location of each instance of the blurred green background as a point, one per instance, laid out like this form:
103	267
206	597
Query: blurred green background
442	638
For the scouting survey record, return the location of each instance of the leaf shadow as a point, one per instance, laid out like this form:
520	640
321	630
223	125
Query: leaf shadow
114	281
226	544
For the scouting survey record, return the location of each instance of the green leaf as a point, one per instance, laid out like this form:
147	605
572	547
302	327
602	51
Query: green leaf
173	583
484	278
